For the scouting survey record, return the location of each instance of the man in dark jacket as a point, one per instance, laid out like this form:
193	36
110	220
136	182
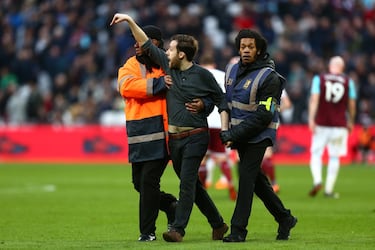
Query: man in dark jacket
253	91
188	131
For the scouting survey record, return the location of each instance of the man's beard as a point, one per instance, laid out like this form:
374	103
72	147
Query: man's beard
175	63
146	60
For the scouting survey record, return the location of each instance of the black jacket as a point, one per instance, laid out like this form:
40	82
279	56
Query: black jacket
258	120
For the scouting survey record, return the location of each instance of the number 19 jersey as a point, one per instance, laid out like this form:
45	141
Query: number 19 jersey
333	99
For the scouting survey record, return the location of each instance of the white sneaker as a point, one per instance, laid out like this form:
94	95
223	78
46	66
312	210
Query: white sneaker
332	195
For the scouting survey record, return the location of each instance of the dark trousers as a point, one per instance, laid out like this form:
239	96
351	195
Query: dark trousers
146	179
252	179
187	154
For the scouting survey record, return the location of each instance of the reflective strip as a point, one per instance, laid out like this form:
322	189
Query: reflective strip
247	107
273	125
254	87
146	138
122	80
230	105
143	70
235	121
143	75
149	81
229	69
150	86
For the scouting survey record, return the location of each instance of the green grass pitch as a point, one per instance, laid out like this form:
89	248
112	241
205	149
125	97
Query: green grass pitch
77	206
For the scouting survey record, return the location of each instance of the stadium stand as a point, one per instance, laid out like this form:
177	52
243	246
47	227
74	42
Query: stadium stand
59	59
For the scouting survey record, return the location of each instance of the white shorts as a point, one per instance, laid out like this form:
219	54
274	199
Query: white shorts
335	138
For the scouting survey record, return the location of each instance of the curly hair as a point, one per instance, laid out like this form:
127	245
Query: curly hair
260	41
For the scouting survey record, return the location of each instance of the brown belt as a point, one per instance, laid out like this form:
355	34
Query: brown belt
187	133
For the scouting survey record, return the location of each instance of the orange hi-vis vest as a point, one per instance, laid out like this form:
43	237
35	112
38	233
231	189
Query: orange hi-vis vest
146	113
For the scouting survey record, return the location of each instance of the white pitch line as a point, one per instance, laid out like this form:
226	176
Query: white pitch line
47	188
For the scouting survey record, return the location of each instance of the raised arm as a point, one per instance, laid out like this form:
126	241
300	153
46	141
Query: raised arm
137	32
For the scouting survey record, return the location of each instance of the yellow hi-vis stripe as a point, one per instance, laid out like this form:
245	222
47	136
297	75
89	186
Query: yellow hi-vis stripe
267	103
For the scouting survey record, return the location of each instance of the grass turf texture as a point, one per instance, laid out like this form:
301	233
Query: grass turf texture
95	206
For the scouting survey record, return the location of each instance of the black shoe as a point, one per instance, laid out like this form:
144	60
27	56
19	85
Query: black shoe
233	238
147	237
171	212
284	228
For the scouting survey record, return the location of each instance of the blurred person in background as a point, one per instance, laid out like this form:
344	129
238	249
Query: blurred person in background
35	109
366	141
8	86
332	111
268	166
253	92
217	153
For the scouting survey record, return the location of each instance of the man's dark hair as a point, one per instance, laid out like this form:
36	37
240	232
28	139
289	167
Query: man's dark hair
186	44
260	41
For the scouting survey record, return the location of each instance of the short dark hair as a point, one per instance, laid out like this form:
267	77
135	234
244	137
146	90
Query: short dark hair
260	41
187	44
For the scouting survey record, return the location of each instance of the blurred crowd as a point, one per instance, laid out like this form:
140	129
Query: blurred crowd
59	58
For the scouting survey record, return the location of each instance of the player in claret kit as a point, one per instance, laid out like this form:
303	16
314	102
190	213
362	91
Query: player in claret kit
331	117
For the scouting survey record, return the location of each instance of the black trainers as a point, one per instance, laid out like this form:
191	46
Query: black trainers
147	237
233	238
284	228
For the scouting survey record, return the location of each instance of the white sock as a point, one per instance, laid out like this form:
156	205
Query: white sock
332	172
210	165
316	169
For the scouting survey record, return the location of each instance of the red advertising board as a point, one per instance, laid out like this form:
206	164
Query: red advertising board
109	144
63	144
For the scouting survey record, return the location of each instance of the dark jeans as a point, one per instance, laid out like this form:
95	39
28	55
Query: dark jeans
146	179
252	179
187	154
